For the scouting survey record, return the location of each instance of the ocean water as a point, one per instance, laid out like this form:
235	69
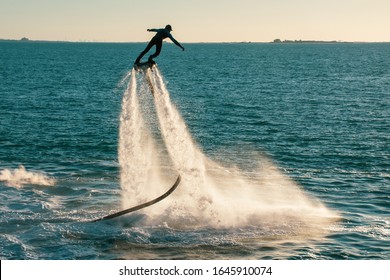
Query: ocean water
283	150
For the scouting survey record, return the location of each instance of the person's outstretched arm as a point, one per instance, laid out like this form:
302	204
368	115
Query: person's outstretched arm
153	30
176	42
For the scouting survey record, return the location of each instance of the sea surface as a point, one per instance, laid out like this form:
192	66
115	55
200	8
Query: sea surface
283	149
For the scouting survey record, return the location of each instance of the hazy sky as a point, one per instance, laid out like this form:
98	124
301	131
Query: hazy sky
196	20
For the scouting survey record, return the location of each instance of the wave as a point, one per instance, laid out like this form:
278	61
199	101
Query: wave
20	176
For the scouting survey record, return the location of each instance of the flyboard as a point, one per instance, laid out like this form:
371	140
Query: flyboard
143	67
143	205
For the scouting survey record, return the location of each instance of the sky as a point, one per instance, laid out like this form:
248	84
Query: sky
196	20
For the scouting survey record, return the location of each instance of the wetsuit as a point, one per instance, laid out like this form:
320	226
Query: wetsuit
157	41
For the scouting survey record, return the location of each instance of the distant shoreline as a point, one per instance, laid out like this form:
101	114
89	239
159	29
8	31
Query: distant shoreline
276	41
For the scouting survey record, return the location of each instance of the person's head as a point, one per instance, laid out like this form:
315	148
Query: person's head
168	27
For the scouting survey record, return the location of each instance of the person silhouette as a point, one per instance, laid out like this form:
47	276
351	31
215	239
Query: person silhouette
157	41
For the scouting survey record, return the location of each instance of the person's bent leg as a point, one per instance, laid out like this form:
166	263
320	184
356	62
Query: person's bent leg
148	47
158	50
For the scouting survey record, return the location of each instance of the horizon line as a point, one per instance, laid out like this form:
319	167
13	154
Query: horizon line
287	41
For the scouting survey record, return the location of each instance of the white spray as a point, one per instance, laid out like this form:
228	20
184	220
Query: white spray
19	177
137	153
211	195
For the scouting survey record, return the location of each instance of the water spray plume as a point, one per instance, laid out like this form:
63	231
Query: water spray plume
210	194
136	153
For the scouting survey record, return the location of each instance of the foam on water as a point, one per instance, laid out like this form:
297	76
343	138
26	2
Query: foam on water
20	176
210	194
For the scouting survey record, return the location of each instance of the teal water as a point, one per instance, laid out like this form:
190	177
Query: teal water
319	112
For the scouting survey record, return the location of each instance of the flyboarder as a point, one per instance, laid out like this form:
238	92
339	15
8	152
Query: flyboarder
157	41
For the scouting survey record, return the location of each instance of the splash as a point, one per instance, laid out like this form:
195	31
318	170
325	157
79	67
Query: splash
137	153
210	194
19	177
